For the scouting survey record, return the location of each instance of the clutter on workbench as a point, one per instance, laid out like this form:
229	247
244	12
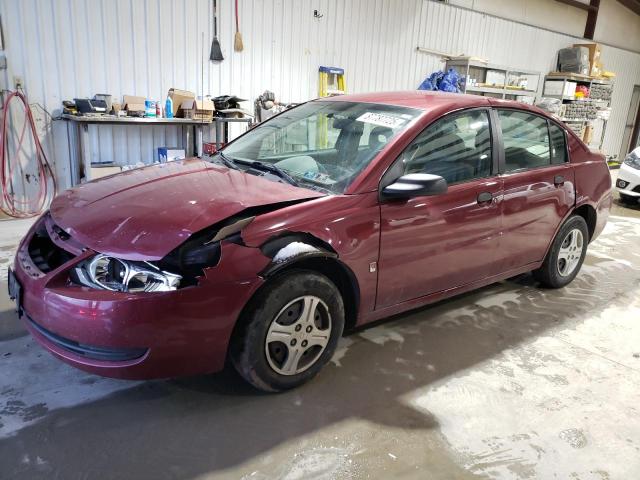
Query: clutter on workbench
133	105
266	106
168	107
198	109
178	96
86	106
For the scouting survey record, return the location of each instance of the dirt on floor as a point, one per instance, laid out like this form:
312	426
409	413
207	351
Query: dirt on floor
510	381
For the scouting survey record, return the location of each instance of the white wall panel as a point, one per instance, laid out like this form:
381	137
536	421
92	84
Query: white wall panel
76	48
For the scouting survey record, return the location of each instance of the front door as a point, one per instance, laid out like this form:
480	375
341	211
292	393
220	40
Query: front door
433	243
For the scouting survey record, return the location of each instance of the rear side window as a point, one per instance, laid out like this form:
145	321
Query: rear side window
526	140
456	147
558	146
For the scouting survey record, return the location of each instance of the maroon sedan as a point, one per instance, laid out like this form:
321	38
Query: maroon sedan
331	215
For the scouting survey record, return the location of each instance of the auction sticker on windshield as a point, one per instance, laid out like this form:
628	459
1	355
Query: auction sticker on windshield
381	119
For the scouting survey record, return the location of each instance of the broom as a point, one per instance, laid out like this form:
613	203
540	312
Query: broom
216	52
237	42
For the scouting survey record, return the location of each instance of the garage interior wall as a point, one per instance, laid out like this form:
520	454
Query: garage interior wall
616	25
75	48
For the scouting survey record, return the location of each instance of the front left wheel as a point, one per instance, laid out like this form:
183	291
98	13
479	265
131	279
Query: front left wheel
288	331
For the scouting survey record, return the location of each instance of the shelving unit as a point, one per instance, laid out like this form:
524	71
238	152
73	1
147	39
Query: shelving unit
477	70
579	124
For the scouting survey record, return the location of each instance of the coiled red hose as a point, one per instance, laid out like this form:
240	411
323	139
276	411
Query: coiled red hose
9	204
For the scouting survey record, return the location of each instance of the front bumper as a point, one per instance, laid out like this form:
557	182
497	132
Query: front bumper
137	335
628	182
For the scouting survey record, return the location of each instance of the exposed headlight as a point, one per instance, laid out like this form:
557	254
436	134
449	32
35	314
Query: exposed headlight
632	160
110	273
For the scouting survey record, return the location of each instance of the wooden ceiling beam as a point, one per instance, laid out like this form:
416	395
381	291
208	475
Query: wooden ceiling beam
633	5
592	18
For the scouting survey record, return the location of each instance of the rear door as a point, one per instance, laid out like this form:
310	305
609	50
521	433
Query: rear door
538	182
433	243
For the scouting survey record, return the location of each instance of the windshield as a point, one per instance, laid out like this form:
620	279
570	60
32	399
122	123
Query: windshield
320	145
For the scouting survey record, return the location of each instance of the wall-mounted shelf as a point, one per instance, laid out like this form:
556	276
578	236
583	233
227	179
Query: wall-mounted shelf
599	103
479	71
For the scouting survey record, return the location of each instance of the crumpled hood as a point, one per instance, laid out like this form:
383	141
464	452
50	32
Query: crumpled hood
145	213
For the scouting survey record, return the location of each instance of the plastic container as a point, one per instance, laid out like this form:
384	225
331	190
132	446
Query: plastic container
168	108
149	108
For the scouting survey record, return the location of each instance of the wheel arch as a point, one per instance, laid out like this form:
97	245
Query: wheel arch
587	212
313	254
590	216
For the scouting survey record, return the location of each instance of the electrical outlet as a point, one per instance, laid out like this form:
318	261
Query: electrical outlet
18	82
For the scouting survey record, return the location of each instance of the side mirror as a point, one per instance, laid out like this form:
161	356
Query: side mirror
415	185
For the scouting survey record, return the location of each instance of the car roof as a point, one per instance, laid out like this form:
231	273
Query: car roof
429	100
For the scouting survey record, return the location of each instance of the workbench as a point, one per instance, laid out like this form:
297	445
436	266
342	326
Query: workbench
78	130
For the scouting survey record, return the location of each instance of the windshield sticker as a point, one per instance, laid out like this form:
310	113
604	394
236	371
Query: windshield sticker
381	119
322	178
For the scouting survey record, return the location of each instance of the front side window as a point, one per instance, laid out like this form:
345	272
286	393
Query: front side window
323	145
526	140
456	147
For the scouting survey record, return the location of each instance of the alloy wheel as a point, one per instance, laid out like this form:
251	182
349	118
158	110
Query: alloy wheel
298	335
570	252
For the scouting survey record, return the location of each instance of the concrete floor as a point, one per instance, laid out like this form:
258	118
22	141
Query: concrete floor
506	382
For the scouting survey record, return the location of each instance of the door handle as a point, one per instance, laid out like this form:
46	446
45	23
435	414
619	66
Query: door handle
485	197
558	180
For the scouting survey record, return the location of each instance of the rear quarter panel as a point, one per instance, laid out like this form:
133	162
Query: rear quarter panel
593	182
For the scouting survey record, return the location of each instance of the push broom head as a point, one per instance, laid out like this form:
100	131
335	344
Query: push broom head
216	51
237	42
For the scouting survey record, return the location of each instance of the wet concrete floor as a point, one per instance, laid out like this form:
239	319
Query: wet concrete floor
510	381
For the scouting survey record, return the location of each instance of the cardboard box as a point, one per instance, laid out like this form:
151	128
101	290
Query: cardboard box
133	104
594	56
178	97
100	171
553	88
198	109
169	154
587	136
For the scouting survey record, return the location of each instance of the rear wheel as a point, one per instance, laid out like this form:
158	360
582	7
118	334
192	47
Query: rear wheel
289	331
566	255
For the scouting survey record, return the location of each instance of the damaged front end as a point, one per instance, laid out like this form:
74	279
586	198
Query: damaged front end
215	254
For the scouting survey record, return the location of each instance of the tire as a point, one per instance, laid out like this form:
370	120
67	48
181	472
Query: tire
566	255
279	355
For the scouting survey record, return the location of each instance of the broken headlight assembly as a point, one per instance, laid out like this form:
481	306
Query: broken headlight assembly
203	249
189	260
111	273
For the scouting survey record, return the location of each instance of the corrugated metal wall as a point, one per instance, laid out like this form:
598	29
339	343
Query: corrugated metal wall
76	48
